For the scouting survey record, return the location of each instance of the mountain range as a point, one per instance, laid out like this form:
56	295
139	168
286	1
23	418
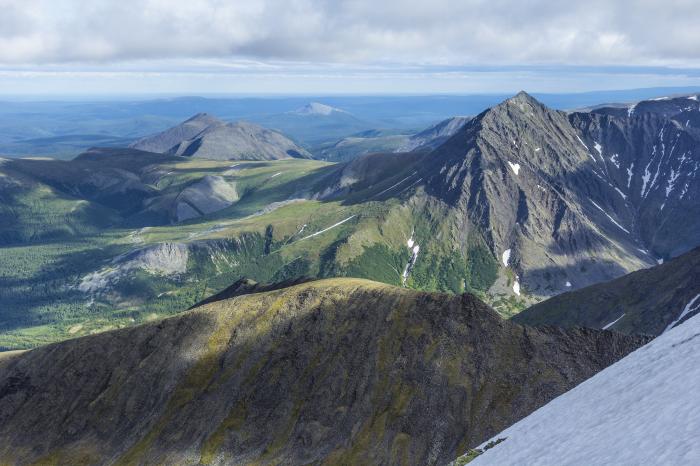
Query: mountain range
520	204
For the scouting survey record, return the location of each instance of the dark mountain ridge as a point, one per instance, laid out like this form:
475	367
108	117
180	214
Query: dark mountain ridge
277	377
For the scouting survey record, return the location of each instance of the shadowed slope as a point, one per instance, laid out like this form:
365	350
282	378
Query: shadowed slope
648	301
340	371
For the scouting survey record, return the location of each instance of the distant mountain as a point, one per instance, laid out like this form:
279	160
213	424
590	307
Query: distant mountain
277	377
204	136
434	136
649	301
190	128
647	398
371	141
315	124
315	108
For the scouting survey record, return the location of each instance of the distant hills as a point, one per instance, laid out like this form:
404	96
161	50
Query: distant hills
204	136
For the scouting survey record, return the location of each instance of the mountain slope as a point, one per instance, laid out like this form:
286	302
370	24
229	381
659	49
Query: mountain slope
204	136
519	174
641	410
648	301
432	137
164	141
650	155
276	378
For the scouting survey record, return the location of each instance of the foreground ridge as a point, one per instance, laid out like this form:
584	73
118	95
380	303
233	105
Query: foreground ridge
276	377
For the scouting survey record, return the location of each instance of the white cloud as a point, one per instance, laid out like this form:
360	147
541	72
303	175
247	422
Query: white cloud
445	32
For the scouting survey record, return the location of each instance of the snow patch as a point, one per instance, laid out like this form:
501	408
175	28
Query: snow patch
629	175
505	257
598	147
568	284
515	167
693	97
615	161
613	322
621	193
686	310
516	286
582	143
276	174
329	228
611	219
415	248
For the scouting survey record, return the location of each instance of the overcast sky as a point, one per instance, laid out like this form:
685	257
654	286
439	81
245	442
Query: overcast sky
361	46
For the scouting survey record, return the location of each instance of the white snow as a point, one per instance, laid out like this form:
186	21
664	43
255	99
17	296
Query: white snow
643	409
621	193
672	181
607	326
329	228
394	185
537	149
611	219
411	262
598	147
686	310
568	284
614	160
693	97
582	143
630	110
660	261
629	175
515	167
505	257
516	287
276	174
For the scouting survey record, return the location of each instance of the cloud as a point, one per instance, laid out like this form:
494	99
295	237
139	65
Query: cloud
356	32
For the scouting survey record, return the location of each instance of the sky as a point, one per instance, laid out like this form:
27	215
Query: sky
345	47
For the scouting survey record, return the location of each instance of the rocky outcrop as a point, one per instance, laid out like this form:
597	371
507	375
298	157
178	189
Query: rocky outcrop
207	195
339	371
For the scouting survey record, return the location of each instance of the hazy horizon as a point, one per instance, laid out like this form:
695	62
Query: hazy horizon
316	47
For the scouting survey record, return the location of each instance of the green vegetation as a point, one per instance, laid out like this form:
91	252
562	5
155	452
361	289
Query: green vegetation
68	266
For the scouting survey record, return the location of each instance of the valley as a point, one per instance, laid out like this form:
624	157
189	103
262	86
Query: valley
515	205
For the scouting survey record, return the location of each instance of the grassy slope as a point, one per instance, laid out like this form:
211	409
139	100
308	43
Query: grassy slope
260	237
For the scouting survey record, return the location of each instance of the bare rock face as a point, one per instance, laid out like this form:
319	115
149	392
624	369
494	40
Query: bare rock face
208	195
340	371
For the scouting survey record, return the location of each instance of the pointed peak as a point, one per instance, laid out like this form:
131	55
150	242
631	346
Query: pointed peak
523	97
